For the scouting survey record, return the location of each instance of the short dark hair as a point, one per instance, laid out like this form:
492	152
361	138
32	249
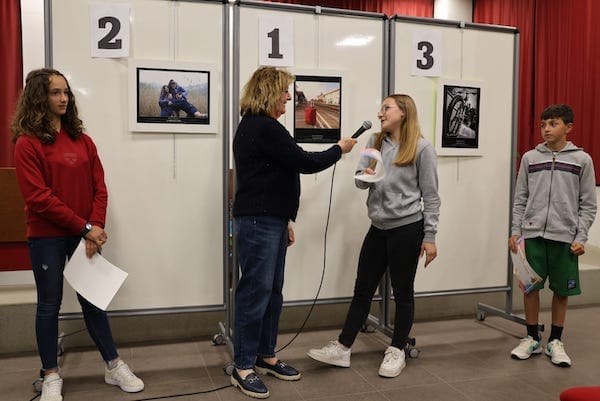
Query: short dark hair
562	111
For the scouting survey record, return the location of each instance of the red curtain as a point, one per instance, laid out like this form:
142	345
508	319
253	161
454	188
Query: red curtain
559	61
567	62
413	8
11	69
13	255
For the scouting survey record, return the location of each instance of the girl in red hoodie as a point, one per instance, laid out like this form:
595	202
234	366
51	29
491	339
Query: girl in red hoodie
62	181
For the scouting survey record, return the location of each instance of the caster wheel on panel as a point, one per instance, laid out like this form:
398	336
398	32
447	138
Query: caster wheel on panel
228	369
413	352
37	385
367	328
480	316
219	339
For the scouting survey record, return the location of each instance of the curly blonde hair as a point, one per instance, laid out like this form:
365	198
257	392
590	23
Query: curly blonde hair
410	131
262	92
32	114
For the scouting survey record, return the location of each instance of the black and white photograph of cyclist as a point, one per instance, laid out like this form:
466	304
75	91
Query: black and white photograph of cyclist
460	117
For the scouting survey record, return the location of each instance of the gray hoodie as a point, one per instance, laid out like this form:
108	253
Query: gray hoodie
555	195
396	200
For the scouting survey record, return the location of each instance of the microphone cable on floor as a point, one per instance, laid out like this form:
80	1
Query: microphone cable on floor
183	394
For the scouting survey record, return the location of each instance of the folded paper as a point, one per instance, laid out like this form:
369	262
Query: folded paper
373	154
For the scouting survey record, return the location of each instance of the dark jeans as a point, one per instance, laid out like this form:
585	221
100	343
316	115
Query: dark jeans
183	104
48	257
397	249
261	243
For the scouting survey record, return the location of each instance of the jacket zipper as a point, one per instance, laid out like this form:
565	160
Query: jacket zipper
549	193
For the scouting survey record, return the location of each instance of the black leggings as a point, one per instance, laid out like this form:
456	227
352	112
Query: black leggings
397	249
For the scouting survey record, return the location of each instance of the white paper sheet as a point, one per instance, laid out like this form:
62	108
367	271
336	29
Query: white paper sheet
95	278
526	276
379	170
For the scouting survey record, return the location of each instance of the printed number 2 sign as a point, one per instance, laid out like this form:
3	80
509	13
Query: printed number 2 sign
276	41
109	30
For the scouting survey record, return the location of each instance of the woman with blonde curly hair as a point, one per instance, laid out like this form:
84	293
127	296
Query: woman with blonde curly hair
62	182
268	164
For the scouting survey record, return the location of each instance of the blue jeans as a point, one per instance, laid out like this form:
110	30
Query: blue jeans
261	243
48	256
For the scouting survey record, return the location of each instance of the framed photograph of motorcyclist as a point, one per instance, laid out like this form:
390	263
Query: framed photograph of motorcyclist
458	119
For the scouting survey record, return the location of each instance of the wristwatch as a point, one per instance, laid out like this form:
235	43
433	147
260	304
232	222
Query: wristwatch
86	229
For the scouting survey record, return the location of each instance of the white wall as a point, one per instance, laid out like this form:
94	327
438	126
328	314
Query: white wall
457	10
32	12
32	20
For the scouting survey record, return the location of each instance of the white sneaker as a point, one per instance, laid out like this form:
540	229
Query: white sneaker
393	362
526	348
556	351
122	376
333	353
52	388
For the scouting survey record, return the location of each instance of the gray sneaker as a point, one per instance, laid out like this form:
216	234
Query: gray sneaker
526	348
52	388
556	351
333	353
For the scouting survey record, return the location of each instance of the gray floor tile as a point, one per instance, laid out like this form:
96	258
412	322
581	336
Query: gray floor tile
459	360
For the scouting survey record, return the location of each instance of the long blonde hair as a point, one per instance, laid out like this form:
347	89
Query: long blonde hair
262	92
410	131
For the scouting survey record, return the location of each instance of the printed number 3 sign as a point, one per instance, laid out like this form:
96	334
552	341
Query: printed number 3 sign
109	30
276	41
427	55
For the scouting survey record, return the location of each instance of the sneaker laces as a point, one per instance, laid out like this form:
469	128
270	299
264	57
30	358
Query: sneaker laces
391	355
124	373
52	387
557	347
333	345
528	342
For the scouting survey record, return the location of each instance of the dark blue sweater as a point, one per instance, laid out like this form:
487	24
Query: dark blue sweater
268	163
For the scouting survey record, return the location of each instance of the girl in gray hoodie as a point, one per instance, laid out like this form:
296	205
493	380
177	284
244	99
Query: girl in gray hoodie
404	211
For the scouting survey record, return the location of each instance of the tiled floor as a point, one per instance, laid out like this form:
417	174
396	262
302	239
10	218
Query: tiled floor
459	360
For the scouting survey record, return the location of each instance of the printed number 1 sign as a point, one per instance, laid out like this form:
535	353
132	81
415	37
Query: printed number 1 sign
109	30
276	41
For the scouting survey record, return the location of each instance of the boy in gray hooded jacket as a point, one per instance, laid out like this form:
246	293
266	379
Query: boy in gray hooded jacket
554	207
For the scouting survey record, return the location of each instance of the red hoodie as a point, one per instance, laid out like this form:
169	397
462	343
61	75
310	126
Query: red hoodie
62	184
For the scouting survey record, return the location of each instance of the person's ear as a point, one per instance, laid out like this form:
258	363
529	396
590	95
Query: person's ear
569	127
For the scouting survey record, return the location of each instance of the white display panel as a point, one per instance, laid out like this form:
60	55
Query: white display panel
340	45
165	190
475	191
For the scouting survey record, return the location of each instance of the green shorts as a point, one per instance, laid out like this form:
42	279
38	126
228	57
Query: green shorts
554	260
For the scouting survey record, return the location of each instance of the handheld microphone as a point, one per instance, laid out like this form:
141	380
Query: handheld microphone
365	126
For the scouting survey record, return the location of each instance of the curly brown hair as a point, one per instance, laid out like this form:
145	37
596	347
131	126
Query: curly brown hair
32	114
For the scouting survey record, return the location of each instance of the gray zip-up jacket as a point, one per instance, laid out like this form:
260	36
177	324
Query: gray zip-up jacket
396	200
555	195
